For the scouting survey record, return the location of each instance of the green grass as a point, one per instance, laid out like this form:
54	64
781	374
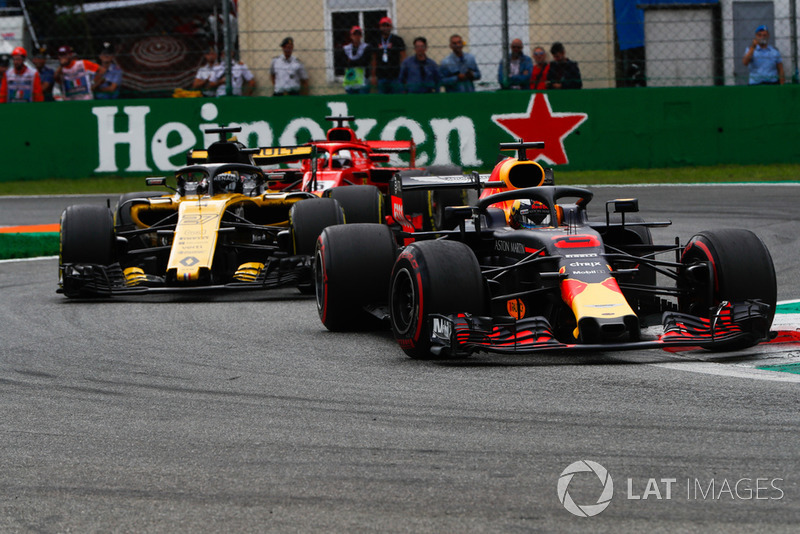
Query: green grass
720	173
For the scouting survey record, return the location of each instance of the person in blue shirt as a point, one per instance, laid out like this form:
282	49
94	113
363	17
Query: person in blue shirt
520	67
763	60
46	74
419	73
459	70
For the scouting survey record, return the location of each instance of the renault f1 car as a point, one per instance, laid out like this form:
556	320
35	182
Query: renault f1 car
527	271
223	226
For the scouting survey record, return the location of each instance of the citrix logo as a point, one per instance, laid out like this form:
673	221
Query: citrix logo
585	510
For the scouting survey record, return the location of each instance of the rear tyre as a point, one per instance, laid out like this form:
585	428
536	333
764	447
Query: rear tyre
432	277
352	266
739	268
308	218
361	203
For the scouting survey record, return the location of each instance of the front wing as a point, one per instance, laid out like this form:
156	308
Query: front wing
88	280
732	324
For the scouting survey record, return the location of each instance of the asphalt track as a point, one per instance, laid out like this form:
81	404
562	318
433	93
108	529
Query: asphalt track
240	413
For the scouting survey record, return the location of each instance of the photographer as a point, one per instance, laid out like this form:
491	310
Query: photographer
459	69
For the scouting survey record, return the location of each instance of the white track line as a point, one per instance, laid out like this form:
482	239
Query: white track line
15	260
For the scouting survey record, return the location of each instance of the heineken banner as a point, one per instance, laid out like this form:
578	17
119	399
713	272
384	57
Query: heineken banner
582	130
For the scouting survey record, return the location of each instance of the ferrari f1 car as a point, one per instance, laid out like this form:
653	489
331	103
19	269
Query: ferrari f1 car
356	173
527	270
223	226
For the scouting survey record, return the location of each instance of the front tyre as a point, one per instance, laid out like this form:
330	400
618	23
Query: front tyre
432	277
87	235
352	266
86	238
730	265
308	218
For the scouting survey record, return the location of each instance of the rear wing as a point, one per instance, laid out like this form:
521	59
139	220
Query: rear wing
395	147
403	182
284	154
260	156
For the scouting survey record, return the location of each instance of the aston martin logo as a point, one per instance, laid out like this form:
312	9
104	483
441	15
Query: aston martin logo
539	123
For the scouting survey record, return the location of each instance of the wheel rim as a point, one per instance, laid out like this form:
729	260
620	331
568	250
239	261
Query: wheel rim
404	302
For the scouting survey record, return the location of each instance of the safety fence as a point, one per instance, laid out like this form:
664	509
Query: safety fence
160	44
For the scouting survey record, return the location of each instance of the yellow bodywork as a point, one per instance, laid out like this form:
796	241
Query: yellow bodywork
197	228
195	237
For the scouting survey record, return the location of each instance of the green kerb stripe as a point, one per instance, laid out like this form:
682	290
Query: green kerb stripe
788	368
28	245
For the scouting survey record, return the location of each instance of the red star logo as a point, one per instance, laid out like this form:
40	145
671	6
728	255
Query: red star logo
539	123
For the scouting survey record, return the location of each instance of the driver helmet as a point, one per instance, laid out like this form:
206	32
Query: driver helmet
528	214
227	182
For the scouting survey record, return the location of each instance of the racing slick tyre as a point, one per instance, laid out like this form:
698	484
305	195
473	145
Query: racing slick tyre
352	266
730	265
361	203
432	277
308	218
87	237
441	199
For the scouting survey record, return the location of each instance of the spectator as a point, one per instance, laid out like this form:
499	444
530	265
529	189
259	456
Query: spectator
5	60
207	72
564	73
540	69
459	69
75	75
46	74
357	61
20	84
419	73
520	67
108	78
763	60
288	75
388	53
243	83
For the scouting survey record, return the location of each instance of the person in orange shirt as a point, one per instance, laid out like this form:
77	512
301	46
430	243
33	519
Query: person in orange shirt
75	75
21	84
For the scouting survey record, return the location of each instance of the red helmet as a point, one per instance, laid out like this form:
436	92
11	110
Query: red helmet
19	51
